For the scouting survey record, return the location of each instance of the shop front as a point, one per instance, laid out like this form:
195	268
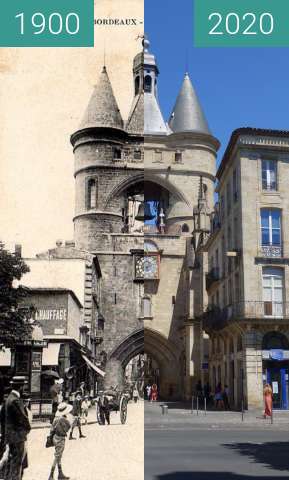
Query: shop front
275	357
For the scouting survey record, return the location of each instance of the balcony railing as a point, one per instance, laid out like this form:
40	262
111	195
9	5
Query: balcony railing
271	251
217	318
212	277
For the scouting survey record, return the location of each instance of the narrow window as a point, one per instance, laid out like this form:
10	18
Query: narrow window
137	154
148	84
178	157
146	307
269	175
273	294
136	85
271	227
92	193
117	154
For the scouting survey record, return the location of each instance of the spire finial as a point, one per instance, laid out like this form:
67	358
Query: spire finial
146	43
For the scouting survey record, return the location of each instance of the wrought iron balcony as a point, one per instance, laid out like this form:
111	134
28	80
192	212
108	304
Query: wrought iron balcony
271	251
216	318
212	277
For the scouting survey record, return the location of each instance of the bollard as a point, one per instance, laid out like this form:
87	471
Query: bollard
192	411
205	404
164	409
197	405
242	411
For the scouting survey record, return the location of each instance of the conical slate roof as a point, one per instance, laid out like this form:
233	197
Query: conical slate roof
187	115
154	123
135	123
102	110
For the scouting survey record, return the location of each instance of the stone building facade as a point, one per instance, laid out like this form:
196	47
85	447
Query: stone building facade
138	186
247	272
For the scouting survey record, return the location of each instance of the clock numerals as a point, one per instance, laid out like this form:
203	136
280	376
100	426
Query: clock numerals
146	267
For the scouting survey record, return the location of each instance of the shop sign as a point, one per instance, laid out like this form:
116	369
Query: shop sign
277	355
51	314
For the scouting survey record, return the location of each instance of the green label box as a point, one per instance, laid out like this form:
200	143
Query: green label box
241	23
47	23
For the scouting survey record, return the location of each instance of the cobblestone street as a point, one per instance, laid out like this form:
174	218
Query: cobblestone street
112	452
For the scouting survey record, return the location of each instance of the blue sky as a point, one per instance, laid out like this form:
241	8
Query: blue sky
237	87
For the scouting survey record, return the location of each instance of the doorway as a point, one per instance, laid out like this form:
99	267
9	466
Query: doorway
278	378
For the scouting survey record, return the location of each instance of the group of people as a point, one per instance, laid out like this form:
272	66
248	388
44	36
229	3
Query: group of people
16	422
220	398
151	392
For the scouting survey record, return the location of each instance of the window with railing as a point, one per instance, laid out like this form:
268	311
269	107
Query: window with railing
273	294
269	175
271	232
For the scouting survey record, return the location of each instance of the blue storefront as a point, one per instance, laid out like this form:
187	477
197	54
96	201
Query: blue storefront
275	355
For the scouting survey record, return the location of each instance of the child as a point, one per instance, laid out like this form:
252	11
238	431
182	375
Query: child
84	408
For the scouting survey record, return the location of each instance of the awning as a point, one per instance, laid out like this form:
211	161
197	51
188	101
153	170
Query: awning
5	358
51	354
94	367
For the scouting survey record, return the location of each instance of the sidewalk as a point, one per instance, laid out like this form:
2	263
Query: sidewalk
112	452
181	416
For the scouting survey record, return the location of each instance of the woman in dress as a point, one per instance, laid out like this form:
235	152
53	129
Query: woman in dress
268	400
154	393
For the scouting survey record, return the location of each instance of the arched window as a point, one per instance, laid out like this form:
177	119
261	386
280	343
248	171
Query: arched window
146	307
150	246
91	193
117	154
275	340
136	85
148	84
185	228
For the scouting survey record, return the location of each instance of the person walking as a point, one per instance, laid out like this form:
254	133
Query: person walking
84	408
104	411
154	393
148	391
226	400
59	429
76	412
268	400
17	427
135	394
219	403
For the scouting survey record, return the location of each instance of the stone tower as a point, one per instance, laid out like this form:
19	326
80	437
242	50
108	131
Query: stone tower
109	178
179	159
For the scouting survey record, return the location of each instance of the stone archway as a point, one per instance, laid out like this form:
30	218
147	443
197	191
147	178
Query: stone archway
120	357
165	354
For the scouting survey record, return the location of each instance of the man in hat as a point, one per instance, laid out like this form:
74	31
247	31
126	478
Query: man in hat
17	426
76	412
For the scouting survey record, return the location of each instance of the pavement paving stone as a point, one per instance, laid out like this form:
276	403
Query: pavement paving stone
112	452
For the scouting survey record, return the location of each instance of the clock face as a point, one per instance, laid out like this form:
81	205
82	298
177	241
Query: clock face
139	267
151	267
146	267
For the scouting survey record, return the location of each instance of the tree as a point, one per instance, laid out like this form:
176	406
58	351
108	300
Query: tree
14	324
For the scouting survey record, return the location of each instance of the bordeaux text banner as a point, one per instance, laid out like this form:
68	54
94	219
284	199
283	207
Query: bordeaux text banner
241	23
47	23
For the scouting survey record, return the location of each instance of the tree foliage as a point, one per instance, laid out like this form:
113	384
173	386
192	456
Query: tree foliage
14	325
